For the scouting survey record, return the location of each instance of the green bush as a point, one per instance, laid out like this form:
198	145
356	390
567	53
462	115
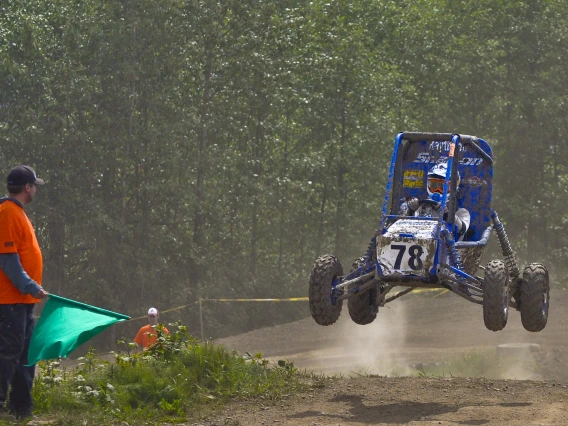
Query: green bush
177	377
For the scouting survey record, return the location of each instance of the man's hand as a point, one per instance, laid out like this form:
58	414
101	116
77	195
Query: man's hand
413	204
42	294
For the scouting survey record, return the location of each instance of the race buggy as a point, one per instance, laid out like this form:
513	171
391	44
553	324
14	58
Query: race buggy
425	251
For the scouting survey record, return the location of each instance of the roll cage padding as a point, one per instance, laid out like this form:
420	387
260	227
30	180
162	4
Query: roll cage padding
419	136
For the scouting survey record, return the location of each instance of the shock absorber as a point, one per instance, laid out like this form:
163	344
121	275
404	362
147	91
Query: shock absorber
367	261
369	255
453	252
506	249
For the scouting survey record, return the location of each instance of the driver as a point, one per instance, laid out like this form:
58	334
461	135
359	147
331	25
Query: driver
435	188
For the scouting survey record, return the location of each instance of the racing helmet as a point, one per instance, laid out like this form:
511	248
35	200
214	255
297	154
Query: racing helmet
436	178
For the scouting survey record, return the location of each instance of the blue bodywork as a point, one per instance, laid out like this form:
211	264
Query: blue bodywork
452	264
475	169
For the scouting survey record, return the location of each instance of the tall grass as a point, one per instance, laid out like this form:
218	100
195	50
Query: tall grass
177	378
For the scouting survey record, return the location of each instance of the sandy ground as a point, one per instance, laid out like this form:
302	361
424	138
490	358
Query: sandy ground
523	380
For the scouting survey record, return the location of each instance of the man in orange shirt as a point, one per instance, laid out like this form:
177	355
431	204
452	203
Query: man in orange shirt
21	267
147	335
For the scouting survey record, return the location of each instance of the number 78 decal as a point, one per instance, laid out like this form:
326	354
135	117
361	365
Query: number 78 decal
402	257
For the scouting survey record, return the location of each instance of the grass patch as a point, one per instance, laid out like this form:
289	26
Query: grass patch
177	378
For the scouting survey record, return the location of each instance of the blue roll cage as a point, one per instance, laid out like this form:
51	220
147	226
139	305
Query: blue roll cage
445	235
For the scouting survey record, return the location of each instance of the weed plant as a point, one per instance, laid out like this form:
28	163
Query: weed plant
178	377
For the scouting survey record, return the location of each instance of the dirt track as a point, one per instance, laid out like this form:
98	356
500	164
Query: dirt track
434	332
412	401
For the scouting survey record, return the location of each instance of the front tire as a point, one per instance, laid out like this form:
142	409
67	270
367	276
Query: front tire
535	296
495	295
325	311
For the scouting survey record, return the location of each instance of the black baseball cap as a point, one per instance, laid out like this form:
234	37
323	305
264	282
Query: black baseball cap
21	175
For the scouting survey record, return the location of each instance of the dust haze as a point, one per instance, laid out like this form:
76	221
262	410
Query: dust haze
429	334
376	348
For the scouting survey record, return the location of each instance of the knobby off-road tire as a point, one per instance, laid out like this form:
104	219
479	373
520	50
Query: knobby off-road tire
495	295
535	294
362	307
326	268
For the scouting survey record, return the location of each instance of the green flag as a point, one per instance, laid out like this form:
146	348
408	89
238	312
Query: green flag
64	325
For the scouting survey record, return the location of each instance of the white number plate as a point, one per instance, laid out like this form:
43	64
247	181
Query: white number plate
402	257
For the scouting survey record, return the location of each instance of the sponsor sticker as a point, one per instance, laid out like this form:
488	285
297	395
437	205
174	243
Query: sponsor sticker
442	146
475	181
426	158
413	179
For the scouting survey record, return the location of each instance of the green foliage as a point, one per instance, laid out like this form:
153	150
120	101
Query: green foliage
214	149
176	378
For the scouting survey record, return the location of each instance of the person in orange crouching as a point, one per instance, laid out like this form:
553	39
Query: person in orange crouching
147	335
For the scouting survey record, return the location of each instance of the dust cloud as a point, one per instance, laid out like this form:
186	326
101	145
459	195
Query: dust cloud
518	361
377	348
437	334
390	347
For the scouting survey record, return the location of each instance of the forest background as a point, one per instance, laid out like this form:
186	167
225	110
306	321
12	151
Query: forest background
216	148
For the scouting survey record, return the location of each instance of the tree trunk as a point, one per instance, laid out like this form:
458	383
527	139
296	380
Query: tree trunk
195	273
257	170
282	191
341	193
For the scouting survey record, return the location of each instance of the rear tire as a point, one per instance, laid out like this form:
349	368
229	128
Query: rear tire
496	295
535	296
325	270
362	307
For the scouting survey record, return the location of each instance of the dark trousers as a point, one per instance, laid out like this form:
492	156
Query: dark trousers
16	327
